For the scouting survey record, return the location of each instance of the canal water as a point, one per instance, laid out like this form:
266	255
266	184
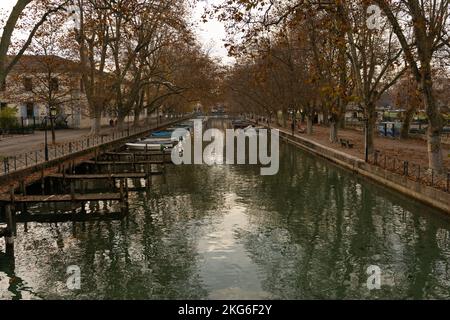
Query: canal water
226	232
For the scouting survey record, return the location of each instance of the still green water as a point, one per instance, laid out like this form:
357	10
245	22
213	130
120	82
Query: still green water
225	232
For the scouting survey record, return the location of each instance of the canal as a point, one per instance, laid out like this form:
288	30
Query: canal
226	232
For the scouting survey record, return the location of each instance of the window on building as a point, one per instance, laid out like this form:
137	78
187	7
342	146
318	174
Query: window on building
30	110
28	84
54	84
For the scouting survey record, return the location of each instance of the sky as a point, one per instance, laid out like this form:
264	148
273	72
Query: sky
210	34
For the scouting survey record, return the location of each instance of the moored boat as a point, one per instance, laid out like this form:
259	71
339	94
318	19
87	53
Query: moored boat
149	146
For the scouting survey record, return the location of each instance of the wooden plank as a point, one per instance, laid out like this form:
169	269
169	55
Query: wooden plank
70	217
130	154
122	175
61	198
106	163
118	153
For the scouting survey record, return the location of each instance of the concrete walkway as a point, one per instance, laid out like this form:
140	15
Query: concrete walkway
21	143
17	144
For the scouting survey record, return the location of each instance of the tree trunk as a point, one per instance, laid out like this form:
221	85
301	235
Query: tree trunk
404	134
96	123
136	119
277	120
309	125
334	127
5	38
334	131
147	116
342	123
371	128
284	119
435	160
325	115
120	123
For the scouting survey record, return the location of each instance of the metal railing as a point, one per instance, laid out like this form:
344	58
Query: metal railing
32	158
413	171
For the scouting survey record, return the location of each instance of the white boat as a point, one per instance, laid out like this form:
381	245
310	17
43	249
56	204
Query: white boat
159	140
149	146
255	129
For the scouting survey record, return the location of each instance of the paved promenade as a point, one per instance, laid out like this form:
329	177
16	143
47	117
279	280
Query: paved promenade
16	144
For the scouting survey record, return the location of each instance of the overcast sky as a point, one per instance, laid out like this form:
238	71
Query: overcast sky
210	34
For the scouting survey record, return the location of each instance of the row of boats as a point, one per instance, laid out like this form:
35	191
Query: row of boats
165	139
245	125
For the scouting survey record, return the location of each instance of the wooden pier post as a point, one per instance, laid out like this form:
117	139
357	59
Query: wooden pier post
164	162
149	176
23	191
42	181
13	218
126	191
72	197
83	191
122	198
9	237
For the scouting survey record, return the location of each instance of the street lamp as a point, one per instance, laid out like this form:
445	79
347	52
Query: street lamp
294	116
46	140
53	112
366	138
52	115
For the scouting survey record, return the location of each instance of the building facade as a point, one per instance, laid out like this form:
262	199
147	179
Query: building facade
38	84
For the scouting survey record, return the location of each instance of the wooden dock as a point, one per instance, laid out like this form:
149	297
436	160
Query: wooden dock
70	217
60	198
69	177
132	154
130	163
100	176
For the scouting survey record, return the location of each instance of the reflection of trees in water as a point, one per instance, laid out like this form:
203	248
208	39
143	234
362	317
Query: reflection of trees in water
150	255
321	229
313	231
16	287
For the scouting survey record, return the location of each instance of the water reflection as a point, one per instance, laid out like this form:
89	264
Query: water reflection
226	232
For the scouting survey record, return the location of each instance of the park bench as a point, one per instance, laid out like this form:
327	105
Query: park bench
346	143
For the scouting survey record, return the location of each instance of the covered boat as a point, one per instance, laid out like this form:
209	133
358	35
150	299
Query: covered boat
162	134
149	146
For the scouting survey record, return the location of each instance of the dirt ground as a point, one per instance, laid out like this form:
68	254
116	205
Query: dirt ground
412	150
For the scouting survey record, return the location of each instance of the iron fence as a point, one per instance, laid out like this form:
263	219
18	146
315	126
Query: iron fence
10	164
413	171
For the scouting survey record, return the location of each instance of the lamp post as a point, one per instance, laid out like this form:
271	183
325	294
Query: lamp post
46	139
294	116
366	139
50	117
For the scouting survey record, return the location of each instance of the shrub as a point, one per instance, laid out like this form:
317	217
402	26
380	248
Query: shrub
8	118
